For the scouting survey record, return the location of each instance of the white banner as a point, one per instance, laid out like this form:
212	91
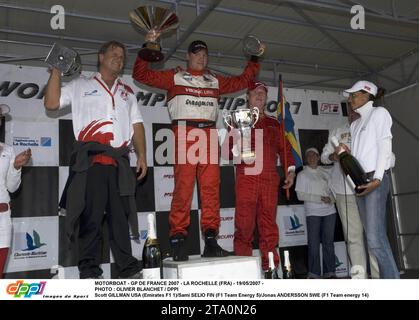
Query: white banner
34	244
292	226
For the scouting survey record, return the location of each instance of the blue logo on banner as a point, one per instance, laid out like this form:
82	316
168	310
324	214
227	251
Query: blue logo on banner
143	234
46	141
33	242
337	262
295	223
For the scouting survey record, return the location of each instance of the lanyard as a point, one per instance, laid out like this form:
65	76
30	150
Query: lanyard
107	90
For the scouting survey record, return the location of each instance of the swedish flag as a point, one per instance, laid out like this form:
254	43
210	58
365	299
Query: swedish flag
284	114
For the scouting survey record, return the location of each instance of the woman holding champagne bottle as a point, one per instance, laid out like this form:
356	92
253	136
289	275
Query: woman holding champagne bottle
372	146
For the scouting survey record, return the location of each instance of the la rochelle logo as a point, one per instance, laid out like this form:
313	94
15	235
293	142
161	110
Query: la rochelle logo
57	22
358	20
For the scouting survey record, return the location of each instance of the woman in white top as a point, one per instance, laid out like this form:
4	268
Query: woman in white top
10	172
313	188
372	146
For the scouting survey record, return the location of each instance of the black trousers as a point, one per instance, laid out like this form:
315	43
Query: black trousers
102	195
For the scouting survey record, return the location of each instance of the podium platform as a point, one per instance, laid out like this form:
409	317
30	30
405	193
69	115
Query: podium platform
213	268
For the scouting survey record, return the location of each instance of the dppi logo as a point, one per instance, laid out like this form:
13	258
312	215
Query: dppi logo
27	290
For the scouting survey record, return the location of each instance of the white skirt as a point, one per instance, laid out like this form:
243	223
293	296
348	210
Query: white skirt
5	229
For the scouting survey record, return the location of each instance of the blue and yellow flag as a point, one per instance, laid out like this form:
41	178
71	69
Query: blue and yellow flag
284	114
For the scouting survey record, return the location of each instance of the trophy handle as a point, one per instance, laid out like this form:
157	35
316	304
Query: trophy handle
229	120
255	111
227	115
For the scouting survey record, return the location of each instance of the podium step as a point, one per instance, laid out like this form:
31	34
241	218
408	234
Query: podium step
213	268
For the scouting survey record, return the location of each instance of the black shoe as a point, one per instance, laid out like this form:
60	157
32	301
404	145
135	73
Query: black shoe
179	250
212	249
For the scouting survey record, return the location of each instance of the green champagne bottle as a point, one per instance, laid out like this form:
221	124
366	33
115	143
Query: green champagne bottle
351	167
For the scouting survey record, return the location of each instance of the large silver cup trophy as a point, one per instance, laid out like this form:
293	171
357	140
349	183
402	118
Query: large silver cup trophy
243	120
64	59
154	21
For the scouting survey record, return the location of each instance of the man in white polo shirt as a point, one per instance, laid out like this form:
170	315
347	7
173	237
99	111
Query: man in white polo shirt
106	119
372	146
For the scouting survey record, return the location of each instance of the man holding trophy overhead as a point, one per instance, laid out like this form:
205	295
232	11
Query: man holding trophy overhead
257	189
193	105
106	119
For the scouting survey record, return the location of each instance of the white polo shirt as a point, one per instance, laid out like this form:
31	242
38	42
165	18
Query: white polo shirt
101	114
9	176
339	183
367	133
9	182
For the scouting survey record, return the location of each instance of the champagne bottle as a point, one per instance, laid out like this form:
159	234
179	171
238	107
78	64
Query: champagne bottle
288	272
351	167
272	272
152	262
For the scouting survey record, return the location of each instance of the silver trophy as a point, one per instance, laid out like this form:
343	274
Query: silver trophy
64	59
154	21
243	120
252	46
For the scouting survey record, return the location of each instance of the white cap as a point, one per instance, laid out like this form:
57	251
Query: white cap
312	150
362	85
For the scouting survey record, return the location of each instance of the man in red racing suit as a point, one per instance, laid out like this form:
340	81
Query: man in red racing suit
192	100
257	183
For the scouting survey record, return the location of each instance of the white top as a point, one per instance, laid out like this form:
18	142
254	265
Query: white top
371	139
101	114
312	184
9	176
338	183
195	97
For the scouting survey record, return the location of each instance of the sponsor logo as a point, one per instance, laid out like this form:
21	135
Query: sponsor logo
92	93
124	95
143	234
32	142
199	103
21	289
168	194
168	176
341	267
28	246
227	218
338	263
329	108
225	236
34	242
292	223
46	141
199	91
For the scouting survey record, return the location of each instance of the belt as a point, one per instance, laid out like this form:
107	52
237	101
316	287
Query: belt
195	124
370	174
4	207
